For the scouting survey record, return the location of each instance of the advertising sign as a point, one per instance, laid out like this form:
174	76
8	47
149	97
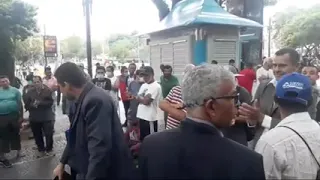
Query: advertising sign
50	46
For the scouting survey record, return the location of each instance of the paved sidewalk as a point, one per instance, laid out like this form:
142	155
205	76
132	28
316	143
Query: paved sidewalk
31	167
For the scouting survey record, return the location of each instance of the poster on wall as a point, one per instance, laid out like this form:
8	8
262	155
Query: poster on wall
50	46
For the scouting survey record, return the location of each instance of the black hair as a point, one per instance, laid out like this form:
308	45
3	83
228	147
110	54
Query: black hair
293	54
70	73
101	68
214	62
133	64
123	68
291	106
111	68
48	68
167	67
138	72
232	61
4	76
161	67
39	77
310	65
249	64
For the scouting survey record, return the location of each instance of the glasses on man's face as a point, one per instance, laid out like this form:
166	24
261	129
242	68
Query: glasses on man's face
235	97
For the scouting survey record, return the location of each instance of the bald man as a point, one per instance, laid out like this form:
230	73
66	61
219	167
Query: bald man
265	72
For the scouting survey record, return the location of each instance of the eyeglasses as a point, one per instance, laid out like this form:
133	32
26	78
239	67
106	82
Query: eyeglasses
234	97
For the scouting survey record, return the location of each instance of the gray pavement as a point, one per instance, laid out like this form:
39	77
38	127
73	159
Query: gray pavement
29	166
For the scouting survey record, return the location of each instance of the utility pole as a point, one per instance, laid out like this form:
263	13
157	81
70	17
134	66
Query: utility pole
44	46
87	4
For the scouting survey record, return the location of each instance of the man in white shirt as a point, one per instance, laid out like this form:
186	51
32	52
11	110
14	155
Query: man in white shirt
265	72
149	98
291	150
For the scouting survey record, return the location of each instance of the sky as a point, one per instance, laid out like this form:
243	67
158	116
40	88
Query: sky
65	17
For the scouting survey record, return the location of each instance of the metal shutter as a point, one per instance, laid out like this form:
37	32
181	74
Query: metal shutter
180	55
155	60
224	50
166	54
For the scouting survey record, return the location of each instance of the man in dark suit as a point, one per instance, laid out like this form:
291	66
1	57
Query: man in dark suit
96	148
197	149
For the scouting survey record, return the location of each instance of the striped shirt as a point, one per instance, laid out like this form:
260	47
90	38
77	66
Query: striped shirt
174	97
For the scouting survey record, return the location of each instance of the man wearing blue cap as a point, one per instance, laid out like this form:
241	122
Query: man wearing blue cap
291	150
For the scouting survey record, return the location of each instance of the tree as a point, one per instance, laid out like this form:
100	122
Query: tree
124	45
121	49
29	49
72	47
96	48
301	30
17	23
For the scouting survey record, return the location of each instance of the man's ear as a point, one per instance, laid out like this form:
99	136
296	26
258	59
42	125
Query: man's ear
210	105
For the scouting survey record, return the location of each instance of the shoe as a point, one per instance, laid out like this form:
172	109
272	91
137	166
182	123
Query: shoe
50	153
20	155
5	163
40	154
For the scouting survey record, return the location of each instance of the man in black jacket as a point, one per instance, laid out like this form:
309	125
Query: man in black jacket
197	149
38	101
96	148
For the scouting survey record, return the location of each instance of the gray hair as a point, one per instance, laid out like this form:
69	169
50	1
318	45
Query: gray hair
188	68
203	82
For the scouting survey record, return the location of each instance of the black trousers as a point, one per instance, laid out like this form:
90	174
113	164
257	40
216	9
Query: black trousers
38	128
145	128
9	133
126	105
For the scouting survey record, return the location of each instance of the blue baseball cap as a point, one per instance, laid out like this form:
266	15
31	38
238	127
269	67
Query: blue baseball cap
295	88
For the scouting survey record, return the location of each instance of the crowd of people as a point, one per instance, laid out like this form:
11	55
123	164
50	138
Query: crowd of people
216	125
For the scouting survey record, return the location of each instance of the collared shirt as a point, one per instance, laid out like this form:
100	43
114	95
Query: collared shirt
204	122
51	82
285	155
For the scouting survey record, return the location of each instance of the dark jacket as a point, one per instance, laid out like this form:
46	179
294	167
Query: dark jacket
96	148
240	132
43	112
197	151
104	83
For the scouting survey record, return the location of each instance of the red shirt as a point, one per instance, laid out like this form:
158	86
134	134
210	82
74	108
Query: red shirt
123	91
246	81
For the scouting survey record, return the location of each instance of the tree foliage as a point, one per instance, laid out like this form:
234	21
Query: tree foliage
29	49
299	28
123	46
17	22
72	47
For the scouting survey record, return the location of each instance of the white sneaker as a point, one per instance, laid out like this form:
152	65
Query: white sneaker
40	154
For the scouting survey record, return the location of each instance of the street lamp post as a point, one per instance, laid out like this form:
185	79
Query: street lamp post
87	11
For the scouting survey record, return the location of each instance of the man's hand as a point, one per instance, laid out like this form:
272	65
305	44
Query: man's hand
58	171
251	114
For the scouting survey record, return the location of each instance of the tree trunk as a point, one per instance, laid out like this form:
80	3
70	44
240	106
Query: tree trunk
6	57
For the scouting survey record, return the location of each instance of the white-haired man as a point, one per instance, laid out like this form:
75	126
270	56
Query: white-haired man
197	149
173	104
265	72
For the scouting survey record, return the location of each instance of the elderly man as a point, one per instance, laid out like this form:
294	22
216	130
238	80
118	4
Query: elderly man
197	149
265	72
